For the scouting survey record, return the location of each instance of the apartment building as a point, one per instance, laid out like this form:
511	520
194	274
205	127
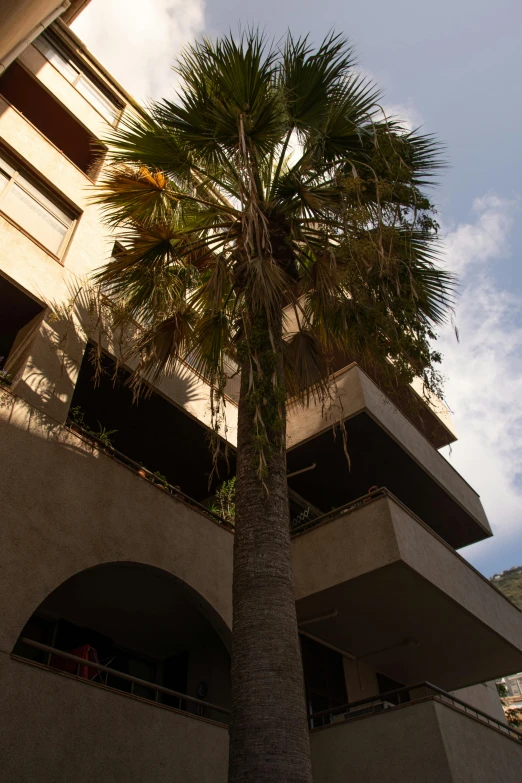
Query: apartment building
115	599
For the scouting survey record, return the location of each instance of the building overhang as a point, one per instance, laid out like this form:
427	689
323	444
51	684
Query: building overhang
385	449
380	585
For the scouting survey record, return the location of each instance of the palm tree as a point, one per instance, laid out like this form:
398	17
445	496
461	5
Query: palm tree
272	215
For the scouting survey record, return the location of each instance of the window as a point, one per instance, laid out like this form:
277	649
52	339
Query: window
32	206
41	108
84	83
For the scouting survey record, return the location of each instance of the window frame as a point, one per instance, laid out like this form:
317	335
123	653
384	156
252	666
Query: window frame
21	172
82	71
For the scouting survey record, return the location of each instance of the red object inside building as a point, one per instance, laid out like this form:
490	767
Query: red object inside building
86	652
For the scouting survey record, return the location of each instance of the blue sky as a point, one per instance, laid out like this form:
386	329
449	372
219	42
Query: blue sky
453	67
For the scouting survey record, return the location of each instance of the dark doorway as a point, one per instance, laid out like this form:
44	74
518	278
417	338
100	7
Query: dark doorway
325	680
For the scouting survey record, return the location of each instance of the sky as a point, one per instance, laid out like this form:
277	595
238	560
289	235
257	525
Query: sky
453	68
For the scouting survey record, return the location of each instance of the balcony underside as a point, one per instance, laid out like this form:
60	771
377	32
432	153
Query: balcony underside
385	449
393	595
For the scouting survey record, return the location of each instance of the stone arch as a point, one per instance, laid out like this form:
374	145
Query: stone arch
137	619
66	509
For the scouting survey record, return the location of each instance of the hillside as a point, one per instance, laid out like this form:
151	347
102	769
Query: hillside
510	582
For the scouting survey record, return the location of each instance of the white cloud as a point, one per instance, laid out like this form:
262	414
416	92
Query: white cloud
407	114
485	240
138	42
484	382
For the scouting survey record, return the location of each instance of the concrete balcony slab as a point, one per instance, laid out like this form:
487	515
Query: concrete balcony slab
426	741
393	594
385	449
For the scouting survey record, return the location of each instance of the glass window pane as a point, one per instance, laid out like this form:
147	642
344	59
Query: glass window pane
34	219
56	58
96	98
39	194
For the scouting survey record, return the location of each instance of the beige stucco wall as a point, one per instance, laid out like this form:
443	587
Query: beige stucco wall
344	549
361	680
426	742
445	569
476	753
57	730
483	696
43	383
19	18
403	746
434	595
65	508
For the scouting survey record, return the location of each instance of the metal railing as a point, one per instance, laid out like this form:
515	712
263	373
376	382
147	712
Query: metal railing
161	483
201	708
339	512
405	697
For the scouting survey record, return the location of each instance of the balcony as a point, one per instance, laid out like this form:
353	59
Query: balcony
420	733
385	449
75	507
60	727
374	581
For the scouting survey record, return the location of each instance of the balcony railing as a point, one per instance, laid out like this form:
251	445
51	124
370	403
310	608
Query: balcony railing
98	674
158	481
405	697
352	505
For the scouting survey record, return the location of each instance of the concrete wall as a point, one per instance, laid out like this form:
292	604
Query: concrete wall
344	548
57	730
390	577
19	18
361	680
443	567
52	367
476	753
403	746
66	508
427	742
483	696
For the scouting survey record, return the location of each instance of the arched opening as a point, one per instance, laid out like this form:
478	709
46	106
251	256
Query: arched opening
139	623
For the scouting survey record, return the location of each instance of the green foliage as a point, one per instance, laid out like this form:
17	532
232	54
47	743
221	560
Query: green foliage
512	715
225	501
103	435
161	479
273	182
77	417
510	582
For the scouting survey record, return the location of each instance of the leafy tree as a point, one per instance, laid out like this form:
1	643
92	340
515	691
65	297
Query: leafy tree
270	214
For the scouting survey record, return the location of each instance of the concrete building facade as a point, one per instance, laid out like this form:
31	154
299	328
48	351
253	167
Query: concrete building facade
115	599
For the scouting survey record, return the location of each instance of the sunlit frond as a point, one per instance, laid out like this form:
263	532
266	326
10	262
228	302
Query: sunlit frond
271	179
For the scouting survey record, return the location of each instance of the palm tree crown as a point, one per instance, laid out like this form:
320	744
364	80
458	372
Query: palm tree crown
274	181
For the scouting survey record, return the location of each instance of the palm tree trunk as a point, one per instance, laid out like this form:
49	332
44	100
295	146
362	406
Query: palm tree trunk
269	741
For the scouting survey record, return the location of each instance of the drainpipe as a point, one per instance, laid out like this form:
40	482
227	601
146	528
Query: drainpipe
35	32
